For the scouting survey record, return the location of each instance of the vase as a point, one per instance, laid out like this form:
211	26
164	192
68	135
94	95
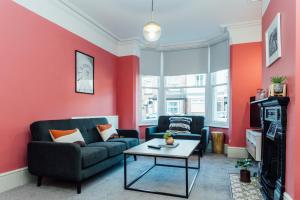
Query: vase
245	176
278	87
169	140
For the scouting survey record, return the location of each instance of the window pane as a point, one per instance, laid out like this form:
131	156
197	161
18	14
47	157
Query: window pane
150	81
219	77
185	101
149	104
220	103
193	80
175	81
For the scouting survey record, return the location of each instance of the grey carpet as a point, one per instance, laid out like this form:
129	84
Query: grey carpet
212	183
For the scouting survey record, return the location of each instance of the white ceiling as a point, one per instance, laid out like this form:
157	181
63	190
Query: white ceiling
181	20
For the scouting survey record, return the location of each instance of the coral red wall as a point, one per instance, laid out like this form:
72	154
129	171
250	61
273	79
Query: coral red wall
297	88
286	65
142	129
37	79
127	87
245	78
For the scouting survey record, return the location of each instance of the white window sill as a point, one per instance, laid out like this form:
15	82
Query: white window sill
148	123
218	125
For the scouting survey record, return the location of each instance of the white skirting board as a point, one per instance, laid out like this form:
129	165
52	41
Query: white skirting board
225	149
112	119
237	152
286	196
15	178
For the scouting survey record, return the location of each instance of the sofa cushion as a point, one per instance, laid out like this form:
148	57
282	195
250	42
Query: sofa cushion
196	125
186	136
157	135
106	131
129	142
92	155
190	136
113	148
180	124
68	136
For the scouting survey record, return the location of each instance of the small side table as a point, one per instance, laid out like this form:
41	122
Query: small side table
218	142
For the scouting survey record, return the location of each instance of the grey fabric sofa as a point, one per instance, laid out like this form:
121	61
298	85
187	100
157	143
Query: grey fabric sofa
71	162
198	131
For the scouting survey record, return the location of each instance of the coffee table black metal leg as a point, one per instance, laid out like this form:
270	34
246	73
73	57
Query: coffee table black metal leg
125	171
186	178
199	155
188	188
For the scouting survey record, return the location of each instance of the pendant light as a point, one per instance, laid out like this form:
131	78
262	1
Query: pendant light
152	30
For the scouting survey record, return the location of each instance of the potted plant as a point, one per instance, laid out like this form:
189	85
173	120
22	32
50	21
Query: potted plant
278	82
244	172
168	136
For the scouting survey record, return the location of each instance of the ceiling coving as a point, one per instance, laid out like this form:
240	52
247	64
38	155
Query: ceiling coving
182	21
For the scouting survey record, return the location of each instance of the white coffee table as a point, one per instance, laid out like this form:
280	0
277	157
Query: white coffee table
183	151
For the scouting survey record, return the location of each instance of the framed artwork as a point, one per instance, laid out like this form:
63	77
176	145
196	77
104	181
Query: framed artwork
273	41
84	73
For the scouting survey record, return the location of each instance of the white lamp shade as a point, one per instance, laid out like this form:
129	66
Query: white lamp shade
152	31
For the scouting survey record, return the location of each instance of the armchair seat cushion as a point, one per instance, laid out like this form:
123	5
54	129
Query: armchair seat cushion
157	135
187	136
92	155
129	142
113	148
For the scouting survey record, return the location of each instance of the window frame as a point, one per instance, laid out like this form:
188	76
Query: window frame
141	120
209	98
215	123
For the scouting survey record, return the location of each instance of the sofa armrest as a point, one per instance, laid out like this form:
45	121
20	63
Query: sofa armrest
204	137
59	160
149	130
128	133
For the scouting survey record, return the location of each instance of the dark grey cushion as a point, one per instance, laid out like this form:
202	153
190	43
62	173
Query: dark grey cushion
113	148
187	136
156	135
129	142
93	155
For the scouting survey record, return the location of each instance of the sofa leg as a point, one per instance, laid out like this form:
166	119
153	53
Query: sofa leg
78	186
39	181
135	158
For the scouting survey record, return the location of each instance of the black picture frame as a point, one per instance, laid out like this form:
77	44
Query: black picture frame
84	66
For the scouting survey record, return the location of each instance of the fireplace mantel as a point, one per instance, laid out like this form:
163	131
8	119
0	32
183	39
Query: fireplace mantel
273	115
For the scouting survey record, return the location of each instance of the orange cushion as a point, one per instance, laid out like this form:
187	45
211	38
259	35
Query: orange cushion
103	127
67	136
107	131
58	133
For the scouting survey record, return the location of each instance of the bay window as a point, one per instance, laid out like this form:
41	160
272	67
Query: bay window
187	93
186	82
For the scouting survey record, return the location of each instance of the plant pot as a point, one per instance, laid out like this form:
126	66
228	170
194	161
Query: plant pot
245	176
170	140
278	87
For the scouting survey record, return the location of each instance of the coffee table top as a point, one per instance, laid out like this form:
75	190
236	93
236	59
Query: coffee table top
183	150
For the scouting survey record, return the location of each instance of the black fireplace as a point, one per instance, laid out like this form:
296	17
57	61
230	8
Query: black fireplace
273	114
